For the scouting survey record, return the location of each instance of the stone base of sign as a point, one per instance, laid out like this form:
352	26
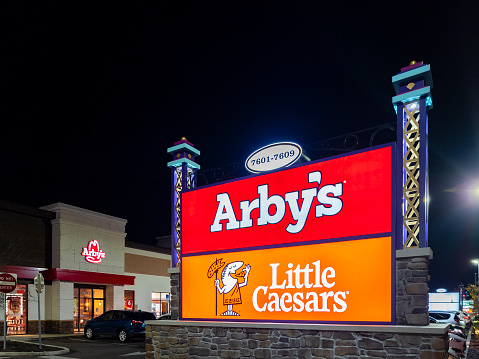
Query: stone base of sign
175	292
181	339
412	275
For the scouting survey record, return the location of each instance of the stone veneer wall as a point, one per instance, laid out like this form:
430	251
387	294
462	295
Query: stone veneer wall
174	292
229	340
412	275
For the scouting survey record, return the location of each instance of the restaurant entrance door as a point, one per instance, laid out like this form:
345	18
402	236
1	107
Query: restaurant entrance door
88	302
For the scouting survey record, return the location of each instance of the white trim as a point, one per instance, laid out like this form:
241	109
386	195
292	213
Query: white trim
58	207
414	252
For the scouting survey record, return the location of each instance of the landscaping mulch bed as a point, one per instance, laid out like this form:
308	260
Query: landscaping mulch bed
16	346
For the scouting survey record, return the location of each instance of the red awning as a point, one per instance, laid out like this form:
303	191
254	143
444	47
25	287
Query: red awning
68	275
23	272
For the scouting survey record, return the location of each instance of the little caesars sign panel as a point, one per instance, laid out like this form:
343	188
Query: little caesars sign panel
311	243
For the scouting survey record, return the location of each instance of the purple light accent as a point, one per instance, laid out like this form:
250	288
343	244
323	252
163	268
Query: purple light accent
288	321
174	257
294	244
400	177
394	216
427	181
183	141
404	178
410	67
183	155
180	294
418	85
423	171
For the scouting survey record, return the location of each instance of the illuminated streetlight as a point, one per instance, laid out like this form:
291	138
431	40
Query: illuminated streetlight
476	261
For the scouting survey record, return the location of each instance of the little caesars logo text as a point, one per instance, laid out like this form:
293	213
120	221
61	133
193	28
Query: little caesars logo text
313	286
327	196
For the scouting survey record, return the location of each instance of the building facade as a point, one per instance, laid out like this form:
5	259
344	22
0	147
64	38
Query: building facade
86	264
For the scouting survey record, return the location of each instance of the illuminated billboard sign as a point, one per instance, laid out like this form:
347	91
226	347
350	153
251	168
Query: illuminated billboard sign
310	243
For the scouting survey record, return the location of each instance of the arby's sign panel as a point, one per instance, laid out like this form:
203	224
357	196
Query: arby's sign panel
310	243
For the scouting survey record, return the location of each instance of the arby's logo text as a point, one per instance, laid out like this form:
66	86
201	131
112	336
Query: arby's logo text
92	252
324	198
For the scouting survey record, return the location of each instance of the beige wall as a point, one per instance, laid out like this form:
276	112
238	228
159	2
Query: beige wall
151	275
74	227
142	264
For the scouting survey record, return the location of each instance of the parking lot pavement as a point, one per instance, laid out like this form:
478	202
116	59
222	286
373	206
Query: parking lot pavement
82	348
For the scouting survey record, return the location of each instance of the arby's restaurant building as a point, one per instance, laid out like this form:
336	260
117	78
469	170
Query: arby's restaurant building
87	265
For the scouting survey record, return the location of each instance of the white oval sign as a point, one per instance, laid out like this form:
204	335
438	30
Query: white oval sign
273	156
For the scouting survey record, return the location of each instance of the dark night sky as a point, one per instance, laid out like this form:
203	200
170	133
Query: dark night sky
94	94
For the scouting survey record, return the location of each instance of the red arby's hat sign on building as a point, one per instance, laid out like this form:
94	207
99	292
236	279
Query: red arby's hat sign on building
93	253
8	282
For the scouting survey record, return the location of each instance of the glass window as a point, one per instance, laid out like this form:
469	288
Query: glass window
160	303
129	297
98	307
85	293
98	293
16	310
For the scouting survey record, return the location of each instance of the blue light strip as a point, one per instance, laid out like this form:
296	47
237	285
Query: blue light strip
180	161
183	146
411	95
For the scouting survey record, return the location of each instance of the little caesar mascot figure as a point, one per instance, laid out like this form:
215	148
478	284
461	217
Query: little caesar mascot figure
231	285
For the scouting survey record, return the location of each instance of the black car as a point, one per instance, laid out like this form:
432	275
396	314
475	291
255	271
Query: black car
124	324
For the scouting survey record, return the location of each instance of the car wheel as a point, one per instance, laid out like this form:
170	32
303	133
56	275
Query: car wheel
123	335
89	333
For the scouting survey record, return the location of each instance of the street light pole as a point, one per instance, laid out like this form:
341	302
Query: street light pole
476	261
461	296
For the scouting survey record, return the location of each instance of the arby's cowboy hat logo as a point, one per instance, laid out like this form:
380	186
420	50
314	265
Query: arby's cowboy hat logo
92	252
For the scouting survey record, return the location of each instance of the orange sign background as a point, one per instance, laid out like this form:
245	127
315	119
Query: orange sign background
363	272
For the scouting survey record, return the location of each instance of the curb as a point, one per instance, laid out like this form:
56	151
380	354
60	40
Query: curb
60	351
468	341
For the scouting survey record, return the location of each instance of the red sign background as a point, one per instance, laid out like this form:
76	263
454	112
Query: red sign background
366	204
